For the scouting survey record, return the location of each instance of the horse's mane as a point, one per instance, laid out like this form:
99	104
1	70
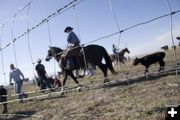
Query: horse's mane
122	52
56	51
56	48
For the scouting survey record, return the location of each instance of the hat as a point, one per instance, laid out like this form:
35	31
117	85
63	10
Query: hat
178	38
39	60
68	28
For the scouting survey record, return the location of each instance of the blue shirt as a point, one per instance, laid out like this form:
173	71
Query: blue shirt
114	50
16	75
73	39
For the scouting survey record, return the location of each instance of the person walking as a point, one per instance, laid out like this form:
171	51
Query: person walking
42	75
18	78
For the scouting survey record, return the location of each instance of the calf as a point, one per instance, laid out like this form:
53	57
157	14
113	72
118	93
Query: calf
151	59
164	47
3	98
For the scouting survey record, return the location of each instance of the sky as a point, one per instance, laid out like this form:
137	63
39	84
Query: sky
95	20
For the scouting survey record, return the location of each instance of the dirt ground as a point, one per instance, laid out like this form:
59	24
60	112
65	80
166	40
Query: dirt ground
130	95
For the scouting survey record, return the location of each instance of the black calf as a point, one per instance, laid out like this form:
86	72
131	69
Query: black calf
151	59
3	98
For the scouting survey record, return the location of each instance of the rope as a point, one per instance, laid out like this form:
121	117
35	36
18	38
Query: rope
133	26
29	47
84	56
114	16
171	13
10	18
22	115
50	42
70	90
119	31
12	35
2	58
66	7
49	34
28	40
99	85
172	39
76	20
58	12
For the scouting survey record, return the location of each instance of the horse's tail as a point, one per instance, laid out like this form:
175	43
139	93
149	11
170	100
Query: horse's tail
109	62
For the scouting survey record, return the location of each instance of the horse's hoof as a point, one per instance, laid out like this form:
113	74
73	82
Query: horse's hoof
106	81
78	89
61	93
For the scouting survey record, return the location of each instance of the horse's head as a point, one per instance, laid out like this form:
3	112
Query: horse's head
49	55
54	52
127	50
136	61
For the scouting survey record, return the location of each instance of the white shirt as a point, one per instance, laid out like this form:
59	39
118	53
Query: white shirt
16	75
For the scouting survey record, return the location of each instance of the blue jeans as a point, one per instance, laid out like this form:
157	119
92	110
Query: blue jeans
17	89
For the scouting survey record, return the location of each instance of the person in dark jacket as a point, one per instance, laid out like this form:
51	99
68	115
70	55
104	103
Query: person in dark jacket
42	75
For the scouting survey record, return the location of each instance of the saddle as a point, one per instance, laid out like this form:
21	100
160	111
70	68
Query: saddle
71	58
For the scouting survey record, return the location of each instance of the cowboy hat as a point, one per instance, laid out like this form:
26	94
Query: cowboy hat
39	60
68	28
178	38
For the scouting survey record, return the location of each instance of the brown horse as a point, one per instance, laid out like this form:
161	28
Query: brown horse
120	55
93	54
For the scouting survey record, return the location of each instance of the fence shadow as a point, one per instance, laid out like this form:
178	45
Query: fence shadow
151	77
18	115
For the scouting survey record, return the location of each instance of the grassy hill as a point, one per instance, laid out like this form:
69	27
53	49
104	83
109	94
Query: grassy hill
130	96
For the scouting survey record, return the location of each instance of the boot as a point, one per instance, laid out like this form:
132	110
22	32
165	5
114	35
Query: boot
70	64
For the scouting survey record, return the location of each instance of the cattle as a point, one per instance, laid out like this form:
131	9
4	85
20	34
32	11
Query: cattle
164	47
3	98
151	59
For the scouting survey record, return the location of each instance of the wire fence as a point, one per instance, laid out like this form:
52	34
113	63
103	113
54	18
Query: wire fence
128	77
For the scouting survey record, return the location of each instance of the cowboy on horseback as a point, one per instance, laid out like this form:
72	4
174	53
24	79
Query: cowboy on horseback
73	49
115	52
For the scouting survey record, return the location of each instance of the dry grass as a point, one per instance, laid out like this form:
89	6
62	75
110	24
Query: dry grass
113	102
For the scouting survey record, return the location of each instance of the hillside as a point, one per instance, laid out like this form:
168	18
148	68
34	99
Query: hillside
130	96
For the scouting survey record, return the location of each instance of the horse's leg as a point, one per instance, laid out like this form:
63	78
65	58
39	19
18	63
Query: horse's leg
72	76
104	68
121	60
65	74
75	80
124	59
146	70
